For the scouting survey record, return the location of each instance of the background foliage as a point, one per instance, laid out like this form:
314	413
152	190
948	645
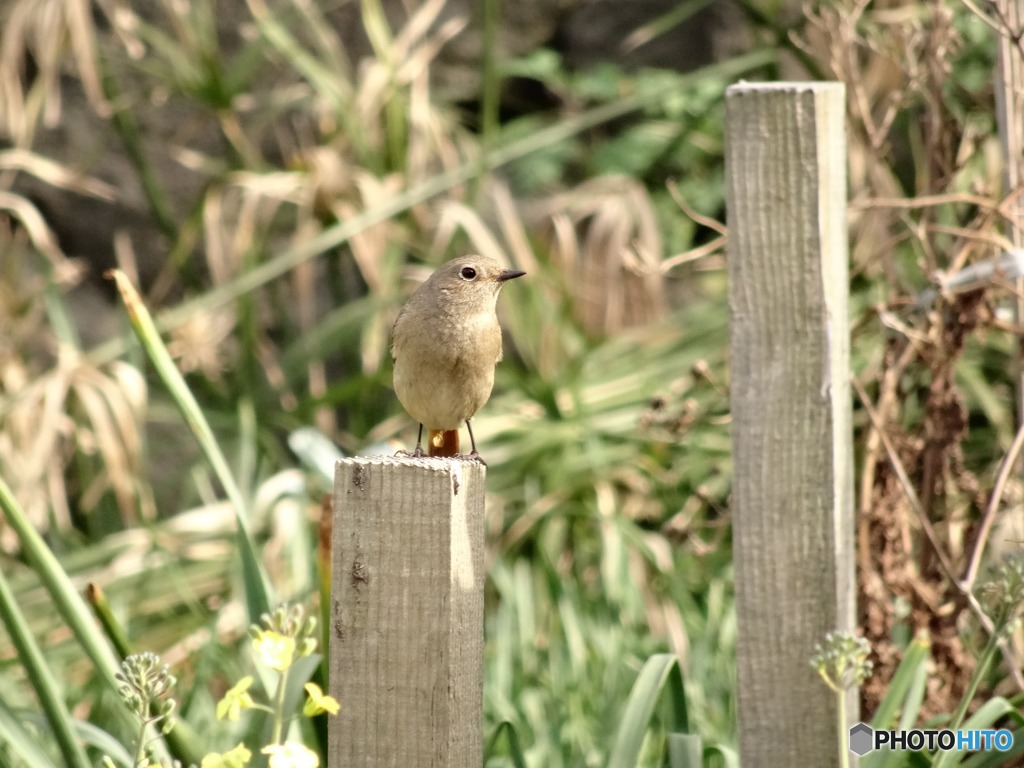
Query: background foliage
297	195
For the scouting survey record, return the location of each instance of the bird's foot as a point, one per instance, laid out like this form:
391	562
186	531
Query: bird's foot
417	453
472	456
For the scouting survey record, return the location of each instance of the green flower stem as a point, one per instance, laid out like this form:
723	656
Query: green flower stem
140	741
844	753
182	739
279	708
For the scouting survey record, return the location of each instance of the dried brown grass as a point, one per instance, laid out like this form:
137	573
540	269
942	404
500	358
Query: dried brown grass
920	497
352	135
56	405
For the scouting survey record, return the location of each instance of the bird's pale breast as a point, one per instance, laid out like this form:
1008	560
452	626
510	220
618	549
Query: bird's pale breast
444	370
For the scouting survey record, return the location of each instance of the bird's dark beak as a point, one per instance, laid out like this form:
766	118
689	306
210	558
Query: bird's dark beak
509	274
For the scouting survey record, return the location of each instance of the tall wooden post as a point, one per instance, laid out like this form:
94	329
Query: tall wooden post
792	495
1010	118
406	635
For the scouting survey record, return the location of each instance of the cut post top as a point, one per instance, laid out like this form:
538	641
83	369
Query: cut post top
436	463
796	86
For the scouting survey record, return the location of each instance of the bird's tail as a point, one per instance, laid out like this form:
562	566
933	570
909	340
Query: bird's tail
443	442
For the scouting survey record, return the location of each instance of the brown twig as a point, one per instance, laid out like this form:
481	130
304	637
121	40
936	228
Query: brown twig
915	502
705	221
904	479
1005	470
925	201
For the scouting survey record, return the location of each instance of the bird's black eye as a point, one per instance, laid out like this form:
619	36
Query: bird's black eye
468	273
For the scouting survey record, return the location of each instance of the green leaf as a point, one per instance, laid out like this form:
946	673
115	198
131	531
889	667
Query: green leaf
657	672
63	593
515	750
43	681
993	758
18	742
685	750
905	687
257	591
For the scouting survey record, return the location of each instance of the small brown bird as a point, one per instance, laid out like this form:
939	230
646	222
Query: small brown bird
445	344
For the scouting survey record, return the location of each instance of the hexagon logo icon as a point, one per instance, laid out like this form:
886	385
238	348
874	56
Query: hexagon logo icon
861	739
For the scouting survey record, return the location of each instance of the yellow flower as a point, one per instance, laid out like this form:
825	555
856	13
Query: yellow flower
236	758
275	650
235	700
291	755
319	701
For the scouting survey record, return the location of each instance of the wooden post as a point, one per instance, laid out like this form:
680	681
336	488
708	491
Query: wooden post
406	654
1010	118
792	495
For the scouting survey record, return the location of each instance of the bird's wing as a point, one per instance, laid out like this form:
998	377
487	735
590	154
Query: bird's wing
394	330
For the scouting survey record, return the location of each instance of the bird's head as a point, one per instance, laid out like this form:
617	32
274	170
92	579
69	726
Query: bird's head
470	281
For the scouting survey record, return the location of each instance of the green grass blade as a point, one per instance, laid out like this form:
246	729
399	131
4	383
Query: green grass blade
729	757
902	702
685	750
104	743
663	24
988	714
257	591
325	81
993	758
43	682
917	688
904	687
111	626
19	742
70	604
66	598
991	712
656	672
515	750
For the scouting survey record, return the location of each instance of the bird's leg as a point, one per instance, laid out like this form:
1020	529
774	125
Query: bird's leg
473	455
418	453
